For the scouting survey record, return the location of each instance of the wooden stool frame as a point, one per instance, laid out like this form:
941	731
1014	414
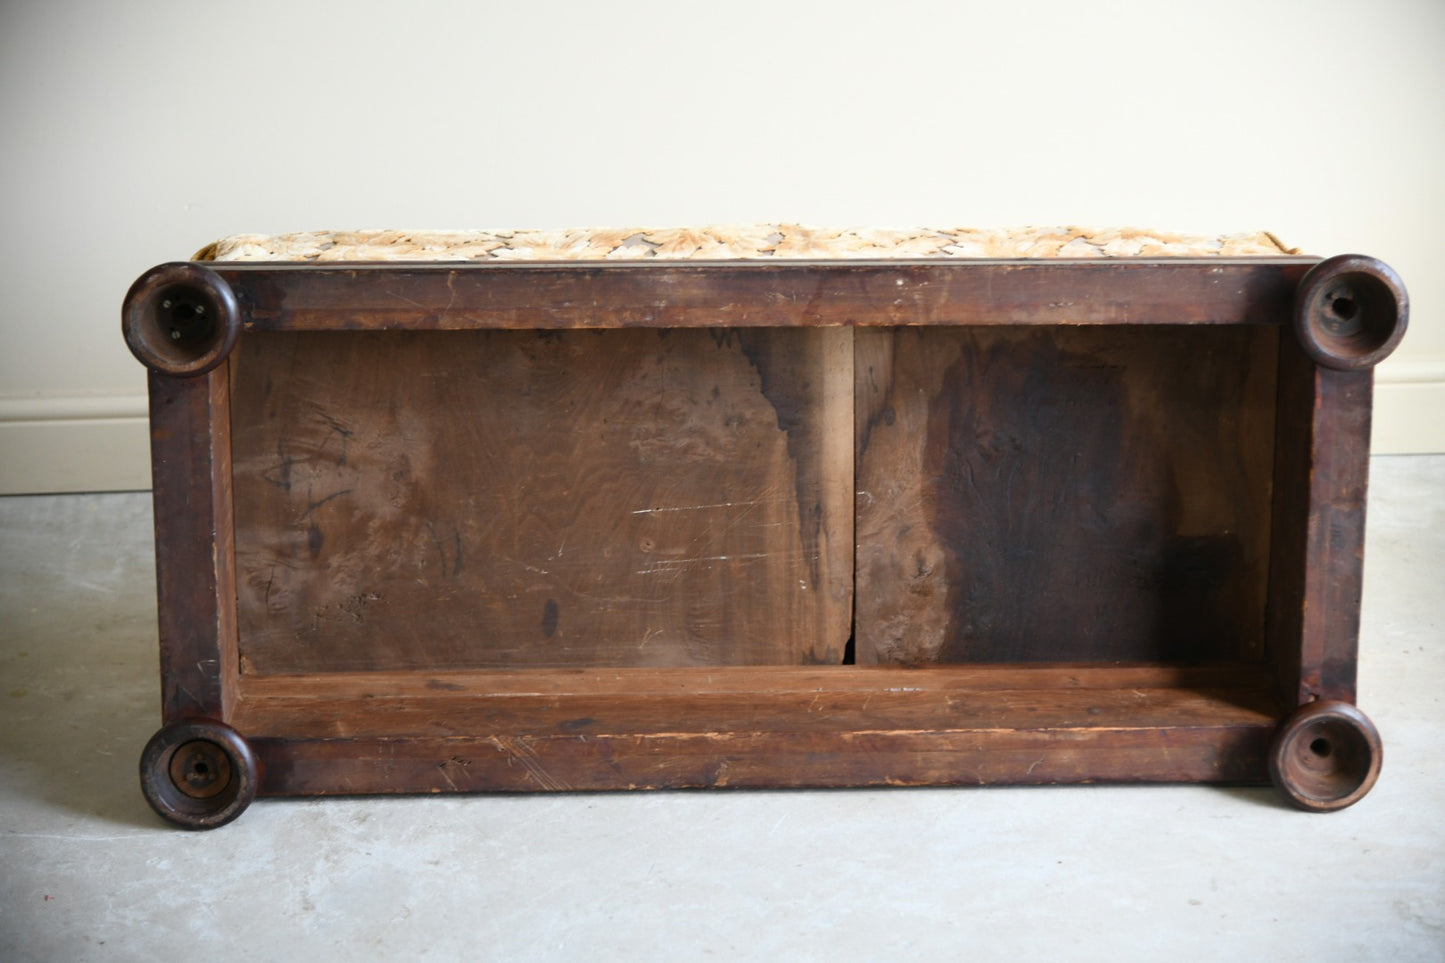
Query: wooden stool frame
1279	708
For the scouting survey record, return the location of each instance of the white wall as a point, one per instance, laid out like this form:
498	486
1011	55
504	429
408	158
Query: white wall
134	133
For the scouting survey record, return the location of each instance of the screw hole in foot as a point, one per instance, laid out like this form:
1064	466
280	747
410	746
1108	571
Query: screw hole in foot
198	774
181	319
1326	756
1350	312
1344	309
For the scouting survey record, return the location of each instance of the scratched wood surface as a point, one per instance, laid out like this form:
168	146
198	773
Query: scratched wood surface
1063	493
663	294
747	699
749	726
1316	575
490	499
195	575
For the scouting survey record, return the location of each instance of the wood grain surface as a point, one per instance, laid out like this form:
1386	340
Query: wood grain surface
552	527
682	294
542	498
195	560
1063	493
531	730
1317	570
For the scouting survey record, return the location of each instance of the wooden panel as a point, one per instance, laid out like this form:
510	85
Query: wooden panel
747	698
195	575
1066	493
842	726
493	499
763	294
785	683
1232	753
1321	476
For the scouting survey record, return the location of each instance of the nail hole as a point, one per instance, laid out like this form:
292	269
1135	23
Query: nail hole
1320	747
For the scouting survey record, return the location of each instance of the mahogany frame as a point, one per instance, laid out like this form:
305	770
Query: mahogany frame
549	729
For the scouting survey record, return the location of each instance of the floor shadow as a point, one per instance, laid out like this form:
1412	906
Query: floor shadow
1266	797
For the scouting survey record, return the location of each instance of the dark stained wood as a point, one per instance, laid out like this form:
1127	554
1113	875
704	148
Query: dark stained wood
744	699
195	554
1340	456
1326	756
1030	494
951	680
1321	477
1218	753
1350	312
199	773
1110	508
490	499
276	297
180	319
758	727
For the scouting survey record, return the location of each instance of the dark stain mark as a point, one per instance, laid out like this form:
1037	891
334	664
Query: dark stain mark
280	476
782	359
577	725
1057	503
550	614
451	567
1192	579
314	503
444	686
338	430
335	425
314	539
1198	563
920	565
825	657
441	550
882	416
1075	535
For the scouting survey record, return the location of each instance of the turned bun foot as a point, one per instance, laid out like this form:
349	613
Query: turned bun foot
1350	312
180	319
1326	756
198	774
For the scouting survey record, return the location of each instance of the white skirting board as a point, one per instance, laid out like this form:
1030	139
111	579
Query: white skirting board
1409	417
100	444
85	444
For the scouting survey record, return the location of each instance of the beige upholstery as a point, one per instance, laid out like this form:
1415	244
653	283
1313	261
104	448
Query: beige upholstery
733	242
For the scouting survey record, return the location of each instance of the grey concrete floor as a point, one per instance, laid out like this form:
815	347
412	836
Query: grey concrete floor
1075	873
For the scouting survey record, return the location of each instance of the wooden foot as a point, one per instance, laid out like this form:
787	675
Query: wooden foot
198	774
180	319
1326	756
1350	312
